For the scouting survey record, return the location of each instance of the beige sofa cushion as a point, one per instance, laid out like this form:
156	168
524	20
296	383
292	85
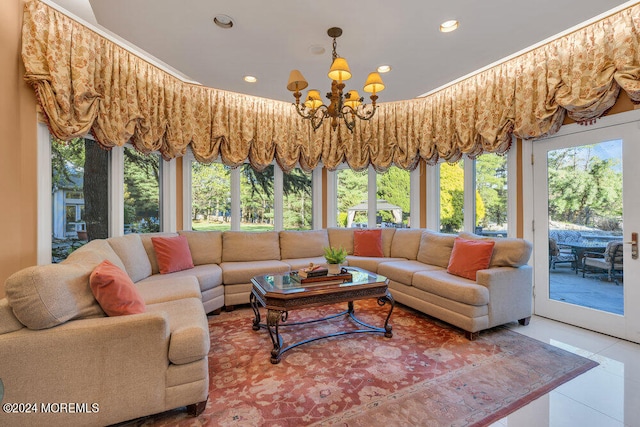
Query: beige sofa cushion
147	243
341	238
406	242
205	246
48	295
454	288
507	252
131	251
303	244
242	272
435	248
159	288
387	240
240	246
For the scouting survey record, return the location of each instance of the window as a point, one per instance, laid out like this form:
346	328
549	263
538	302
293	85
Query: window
352	190
491	195
210	197
297	208
79	195
452	197
141	192
393	198
256	199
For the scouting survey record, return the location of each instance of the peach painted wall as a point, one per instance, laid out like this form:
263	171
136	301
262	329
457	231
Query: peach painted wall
18	178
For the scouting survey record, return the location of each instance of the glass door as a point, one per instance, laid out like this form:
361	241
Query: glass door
586	207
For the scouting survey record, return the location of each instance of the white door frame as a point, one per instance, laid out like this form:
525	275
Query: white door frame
627	126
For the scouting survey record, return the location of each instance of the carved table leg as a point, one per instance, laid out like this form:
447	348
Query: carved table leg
254	305
382	301
273	319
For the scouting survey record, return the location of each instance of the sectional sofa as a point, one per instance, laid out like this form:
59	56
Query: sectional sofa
57	345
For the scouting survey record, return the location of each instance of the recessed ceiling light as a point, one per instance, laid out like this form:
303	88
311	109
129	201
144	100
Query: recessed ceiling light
448	26
250	79
316	49
384	68
223	21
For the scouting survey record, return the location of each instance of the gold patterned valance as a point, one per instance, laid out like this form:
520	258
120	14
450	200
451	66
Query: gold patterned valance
86	83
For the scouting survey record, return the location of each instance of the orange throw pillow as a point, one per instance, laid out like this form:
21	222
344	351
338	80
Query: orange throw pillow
367	243
469	256
172	253
114	290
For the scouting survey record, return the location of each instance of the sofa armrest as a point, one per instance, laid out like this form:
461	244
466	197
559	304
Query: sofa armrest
114	362
510	293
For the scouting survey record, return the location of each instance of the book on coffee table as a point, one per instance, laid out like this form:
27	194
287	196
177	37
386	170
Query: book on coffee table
322	280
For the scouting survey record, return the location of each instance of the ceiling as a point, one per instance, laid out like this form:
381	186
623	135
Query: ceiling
270	38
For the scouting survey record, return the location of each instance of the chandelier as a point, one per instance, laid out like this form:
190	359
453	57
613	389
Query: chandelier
341	107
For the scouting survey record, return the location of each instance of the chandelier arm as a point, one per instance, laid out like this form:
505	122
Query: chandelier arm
362	115
317	119
301	111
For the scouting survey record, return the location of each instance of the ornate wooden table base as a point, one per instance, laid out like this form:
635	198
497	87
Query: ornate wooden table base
279	296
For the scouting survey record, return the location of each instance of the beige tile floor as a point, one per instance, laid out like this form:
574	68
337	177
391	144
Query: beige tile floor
607	395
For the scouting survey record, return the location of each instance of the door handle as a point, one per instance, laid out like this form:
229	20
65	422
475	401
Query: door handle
634	245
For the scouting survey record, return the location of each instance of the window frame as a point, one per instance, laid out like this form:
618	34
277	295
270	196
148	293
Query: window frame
278	196
433	194
115	191
332	197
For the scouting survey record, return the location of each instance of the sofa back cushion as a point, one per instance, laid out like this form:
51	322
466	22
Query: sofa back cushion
48	295
205	246
303	244
147	243
131	251
405	243
341	238
94	253
8	320
435	248
507	252
248	246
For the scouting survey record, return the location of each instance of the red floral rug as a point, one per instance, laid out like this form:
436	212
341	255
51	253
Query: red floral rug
427	374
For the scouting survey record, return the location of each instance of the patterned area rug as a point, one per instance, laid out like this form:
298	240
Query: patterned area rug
428	374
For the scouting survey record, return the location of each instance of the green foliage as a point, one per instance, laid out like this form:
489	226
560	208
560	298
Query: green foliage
394	186
451	197
141	191
67	163
335	255
491	187
210	191
584	189
352	190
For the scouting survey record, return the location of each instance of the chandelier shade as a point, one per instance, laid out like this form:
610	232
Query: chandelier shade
313	99
339	70
374	83
296	81
346	108
353	99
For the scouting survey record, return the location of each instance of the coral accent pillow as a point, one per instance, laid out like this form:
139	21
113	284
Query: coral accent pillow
367	243
469	256
114	290
172	253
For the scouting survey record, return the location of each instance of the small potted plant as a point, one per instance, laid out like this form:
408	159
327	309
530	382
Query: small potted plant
334	257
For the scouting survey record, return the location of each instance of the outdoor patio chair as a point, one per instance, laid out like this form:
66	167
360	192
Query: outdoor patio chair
558	255
609	261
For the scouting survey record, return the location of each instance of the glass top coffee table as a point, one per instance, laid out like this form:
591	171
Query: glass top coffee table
281	293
